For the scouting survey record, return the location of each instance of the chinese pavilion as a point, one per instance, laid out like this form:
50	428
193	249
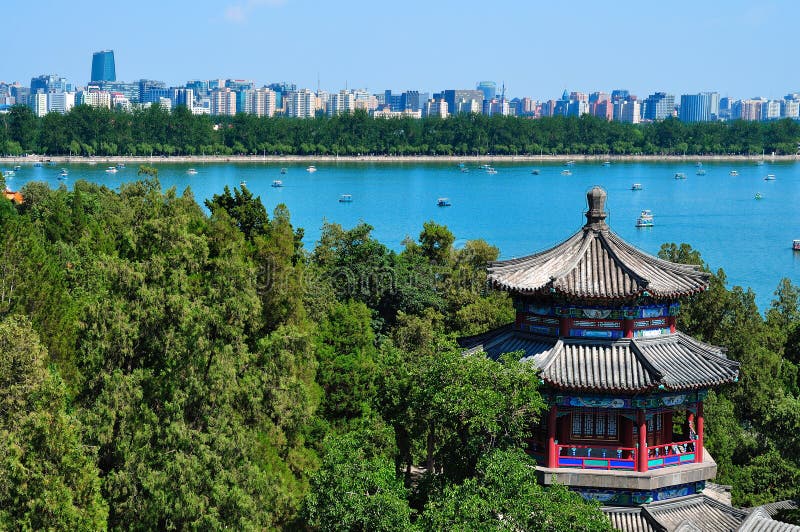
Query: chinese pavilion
625	389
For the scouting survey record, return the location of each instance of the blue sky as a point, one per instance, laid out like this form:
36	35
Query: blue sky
740	48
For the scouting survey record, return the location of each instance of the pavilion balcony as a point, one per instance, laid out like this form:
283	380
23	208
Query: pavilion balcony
672	454
596	457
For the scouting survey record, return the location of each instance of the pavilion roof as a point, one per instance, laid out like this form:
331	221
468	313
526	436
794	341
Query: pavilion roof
595	263
671	362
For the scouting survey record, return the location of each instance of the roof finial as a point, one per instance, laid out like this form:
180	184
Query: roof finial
596	215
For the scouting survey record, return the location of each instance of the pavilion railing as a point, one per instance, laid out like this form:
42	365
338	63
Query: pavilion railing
596	456
672	454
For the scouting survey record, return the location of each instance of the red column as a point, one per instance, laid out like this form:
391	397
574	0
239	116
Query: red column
671	321
699	450
552	456
642	457
564	325
627	325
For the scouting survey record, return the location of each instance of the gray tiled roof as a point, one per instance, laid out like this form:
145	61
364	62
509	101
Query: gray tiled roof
760	520
628	519
674	361
695	512
595	263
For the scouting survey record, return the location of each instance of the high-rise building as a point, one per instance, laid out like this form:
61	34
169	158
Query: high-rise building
790	108
182	96
454	97
658	106
103	68
627	111
488	88
300	103
147	84
771	110
50	83
696	107
60	102
342	102
413	100
94	98
436	107
38	103
394	101
620	94
603	109
223	102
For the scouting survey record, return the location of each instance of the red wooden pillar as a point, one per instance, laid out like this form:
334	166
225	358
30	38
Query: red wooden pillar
699	449
564	325
671	321
627	325
552	455
642	457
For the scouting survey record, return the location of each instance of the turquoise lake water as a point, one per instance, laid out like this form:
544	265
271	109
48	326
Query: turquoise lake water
521	213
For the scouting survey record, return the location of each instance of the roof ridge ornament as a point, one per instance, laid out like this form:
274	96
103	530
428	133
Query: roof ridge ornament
596	215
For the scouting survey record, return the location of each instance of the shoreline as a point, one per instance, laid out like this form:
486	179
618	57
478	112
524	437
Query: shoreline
250	159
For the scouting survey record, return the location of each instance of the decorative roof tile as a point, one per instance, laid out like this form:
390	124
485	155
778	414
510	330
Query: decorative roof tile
595	263
673	362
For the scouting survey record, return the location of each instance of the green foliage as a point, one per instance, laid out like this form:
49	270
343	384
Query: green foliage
155	131
505	495
356	488
48	477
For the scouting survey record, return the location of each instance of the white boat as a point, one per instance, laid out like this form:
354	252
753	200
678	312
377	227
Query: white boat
636	186
17	167
698	164
680	175
283	171
443	202
606	163
277	183
111	170
491	170
700	172
645	219
769	177
734	173
191	171
758	195
566	172
796	245
760	163
569	163
346	198
535	172
63	173
9	173
120	166
311	169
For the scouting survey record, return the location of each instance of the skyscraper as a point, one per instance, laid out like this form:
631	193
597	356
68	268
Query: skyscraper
696	107
489	89
658	106
103	68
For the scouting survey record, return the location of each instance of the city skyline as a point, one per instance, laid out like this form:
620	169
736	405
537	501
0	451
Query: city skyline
536	50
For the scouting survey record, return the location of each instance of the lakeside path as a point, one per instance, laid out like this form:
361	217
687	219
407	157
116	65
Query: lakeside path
250	159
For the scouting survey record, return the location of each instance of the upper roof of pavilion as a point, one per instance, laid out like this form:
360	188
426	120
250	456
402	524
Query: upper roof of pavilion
597	264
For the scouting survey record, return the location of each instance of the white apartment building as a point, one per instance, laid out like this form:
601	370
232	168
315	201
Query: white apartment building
436	108
259	102
341	102
300	104
771	110
388	113
223	102
39	103
60	102
790	108
95	98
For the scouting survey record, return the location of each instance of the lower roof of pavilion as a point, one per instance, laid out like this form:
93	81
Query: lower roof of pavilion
674	362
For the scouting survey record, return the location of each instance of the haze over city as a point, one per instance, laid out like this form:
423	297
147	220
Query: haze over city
537	49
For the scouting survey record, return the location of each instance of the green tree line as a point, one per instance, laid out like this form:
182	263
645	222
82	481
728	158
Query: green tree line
155	131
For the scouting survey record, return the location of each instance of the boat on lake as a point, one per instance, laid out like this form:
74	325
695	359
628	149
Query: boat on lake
734	173
191	171
63	173
760	163
680	175
566	172
311	169
636	186
17	167
283	171
569	163
120	166
9	173
111	170
700	172
491	171
645	219
535	172
758	195
606	163
277	183
346	198
769	177
698	164
443	202
796	245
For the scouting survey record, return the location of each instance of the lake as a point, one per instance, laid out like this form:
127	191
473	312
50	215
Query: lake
519	212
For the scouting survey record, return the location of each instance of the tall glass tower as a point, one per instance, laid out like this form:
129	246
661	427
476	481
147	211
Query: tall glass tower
103	66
